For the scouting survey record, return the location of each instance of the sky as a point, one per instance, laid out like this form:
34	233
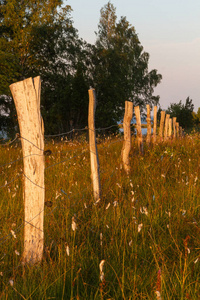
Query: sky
169	30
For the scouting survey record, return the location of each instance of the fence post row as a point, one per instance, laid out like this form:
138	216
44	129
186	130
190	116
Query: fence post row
26	95
94	160
128	115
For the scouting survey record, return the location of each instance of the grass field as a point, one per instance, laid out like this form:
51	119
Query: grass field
144	233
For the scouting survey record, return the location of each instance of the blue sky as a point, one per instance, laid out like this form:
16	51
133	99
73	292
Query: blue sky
169	31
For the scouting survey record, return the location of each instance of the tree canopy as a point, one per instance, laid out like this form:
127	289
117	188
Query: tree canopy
183	113
38	38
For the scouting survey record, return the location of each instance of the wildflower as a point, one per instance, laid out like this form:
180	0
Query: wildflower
101	237
11	282
140	227
85	205
101	265
143	210
107	226
158	295
97	201
57	195
162	175
107	207
16	252
67	250
13	234
130	243
74	226
131	184
115	203
118	185
133	199
196	260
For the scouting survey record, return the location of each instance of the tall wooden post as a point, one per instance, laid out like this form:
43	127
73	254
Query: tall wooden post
170	128
139	128
154	123
162	121
94	160
127	135
174	127
166	127
177	129
148	124
26	95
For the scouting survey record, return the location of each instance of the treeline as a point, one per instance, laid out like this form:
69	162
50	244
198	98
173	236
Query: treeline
38	38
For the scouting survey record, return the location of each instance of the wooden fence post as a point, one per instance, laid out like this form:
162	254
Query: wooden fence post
94	160
170	128
26	95
174	127
162	121
177	129
154	123
127	135
139	129
166	127
148	124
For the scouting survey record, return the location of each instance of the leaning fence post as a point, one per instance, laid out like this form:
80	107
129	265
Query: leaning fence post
148	124
26	95
94	160
139	129
128	115
162	120
154	123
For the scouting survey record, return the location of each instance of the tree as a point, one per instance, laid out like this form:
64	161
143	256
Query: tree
183	113
121	68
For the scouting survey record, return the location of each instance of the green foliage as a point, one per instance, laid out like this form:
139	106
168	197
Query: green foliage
121	71
183	113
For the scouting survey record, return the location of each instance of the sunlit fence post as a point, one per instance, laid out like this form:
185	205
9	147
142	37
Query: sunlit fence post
26	95
139	128
127	135
166	127
94	160
174	127
148	124
162	121
154	123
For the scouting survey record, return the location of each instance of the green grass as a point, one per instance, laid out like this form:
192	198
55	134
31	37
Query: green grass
146	226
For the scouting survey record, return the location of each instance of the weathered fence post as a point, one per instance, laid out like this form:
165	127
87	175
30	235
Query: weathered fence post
166	127
127	135
94	160
177	129
154	123
148	124
26	95
174	127
170	128
139	129
162	120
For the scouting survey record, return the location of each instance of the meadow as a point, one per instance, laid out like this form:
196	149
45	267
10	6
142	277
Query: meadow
140	241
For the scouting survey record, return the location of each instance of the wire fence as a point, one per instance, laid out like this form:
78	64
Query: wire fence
82	151
64	196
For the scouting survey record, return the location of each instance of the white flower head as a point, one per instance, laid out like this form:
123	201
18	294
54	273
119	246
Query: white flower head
101	266
17	253
67	250
74	226
140	227
13	234
11	282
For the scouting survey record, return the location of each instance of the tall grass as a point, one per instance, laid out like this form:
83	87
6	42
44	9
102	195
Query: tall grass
146	226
